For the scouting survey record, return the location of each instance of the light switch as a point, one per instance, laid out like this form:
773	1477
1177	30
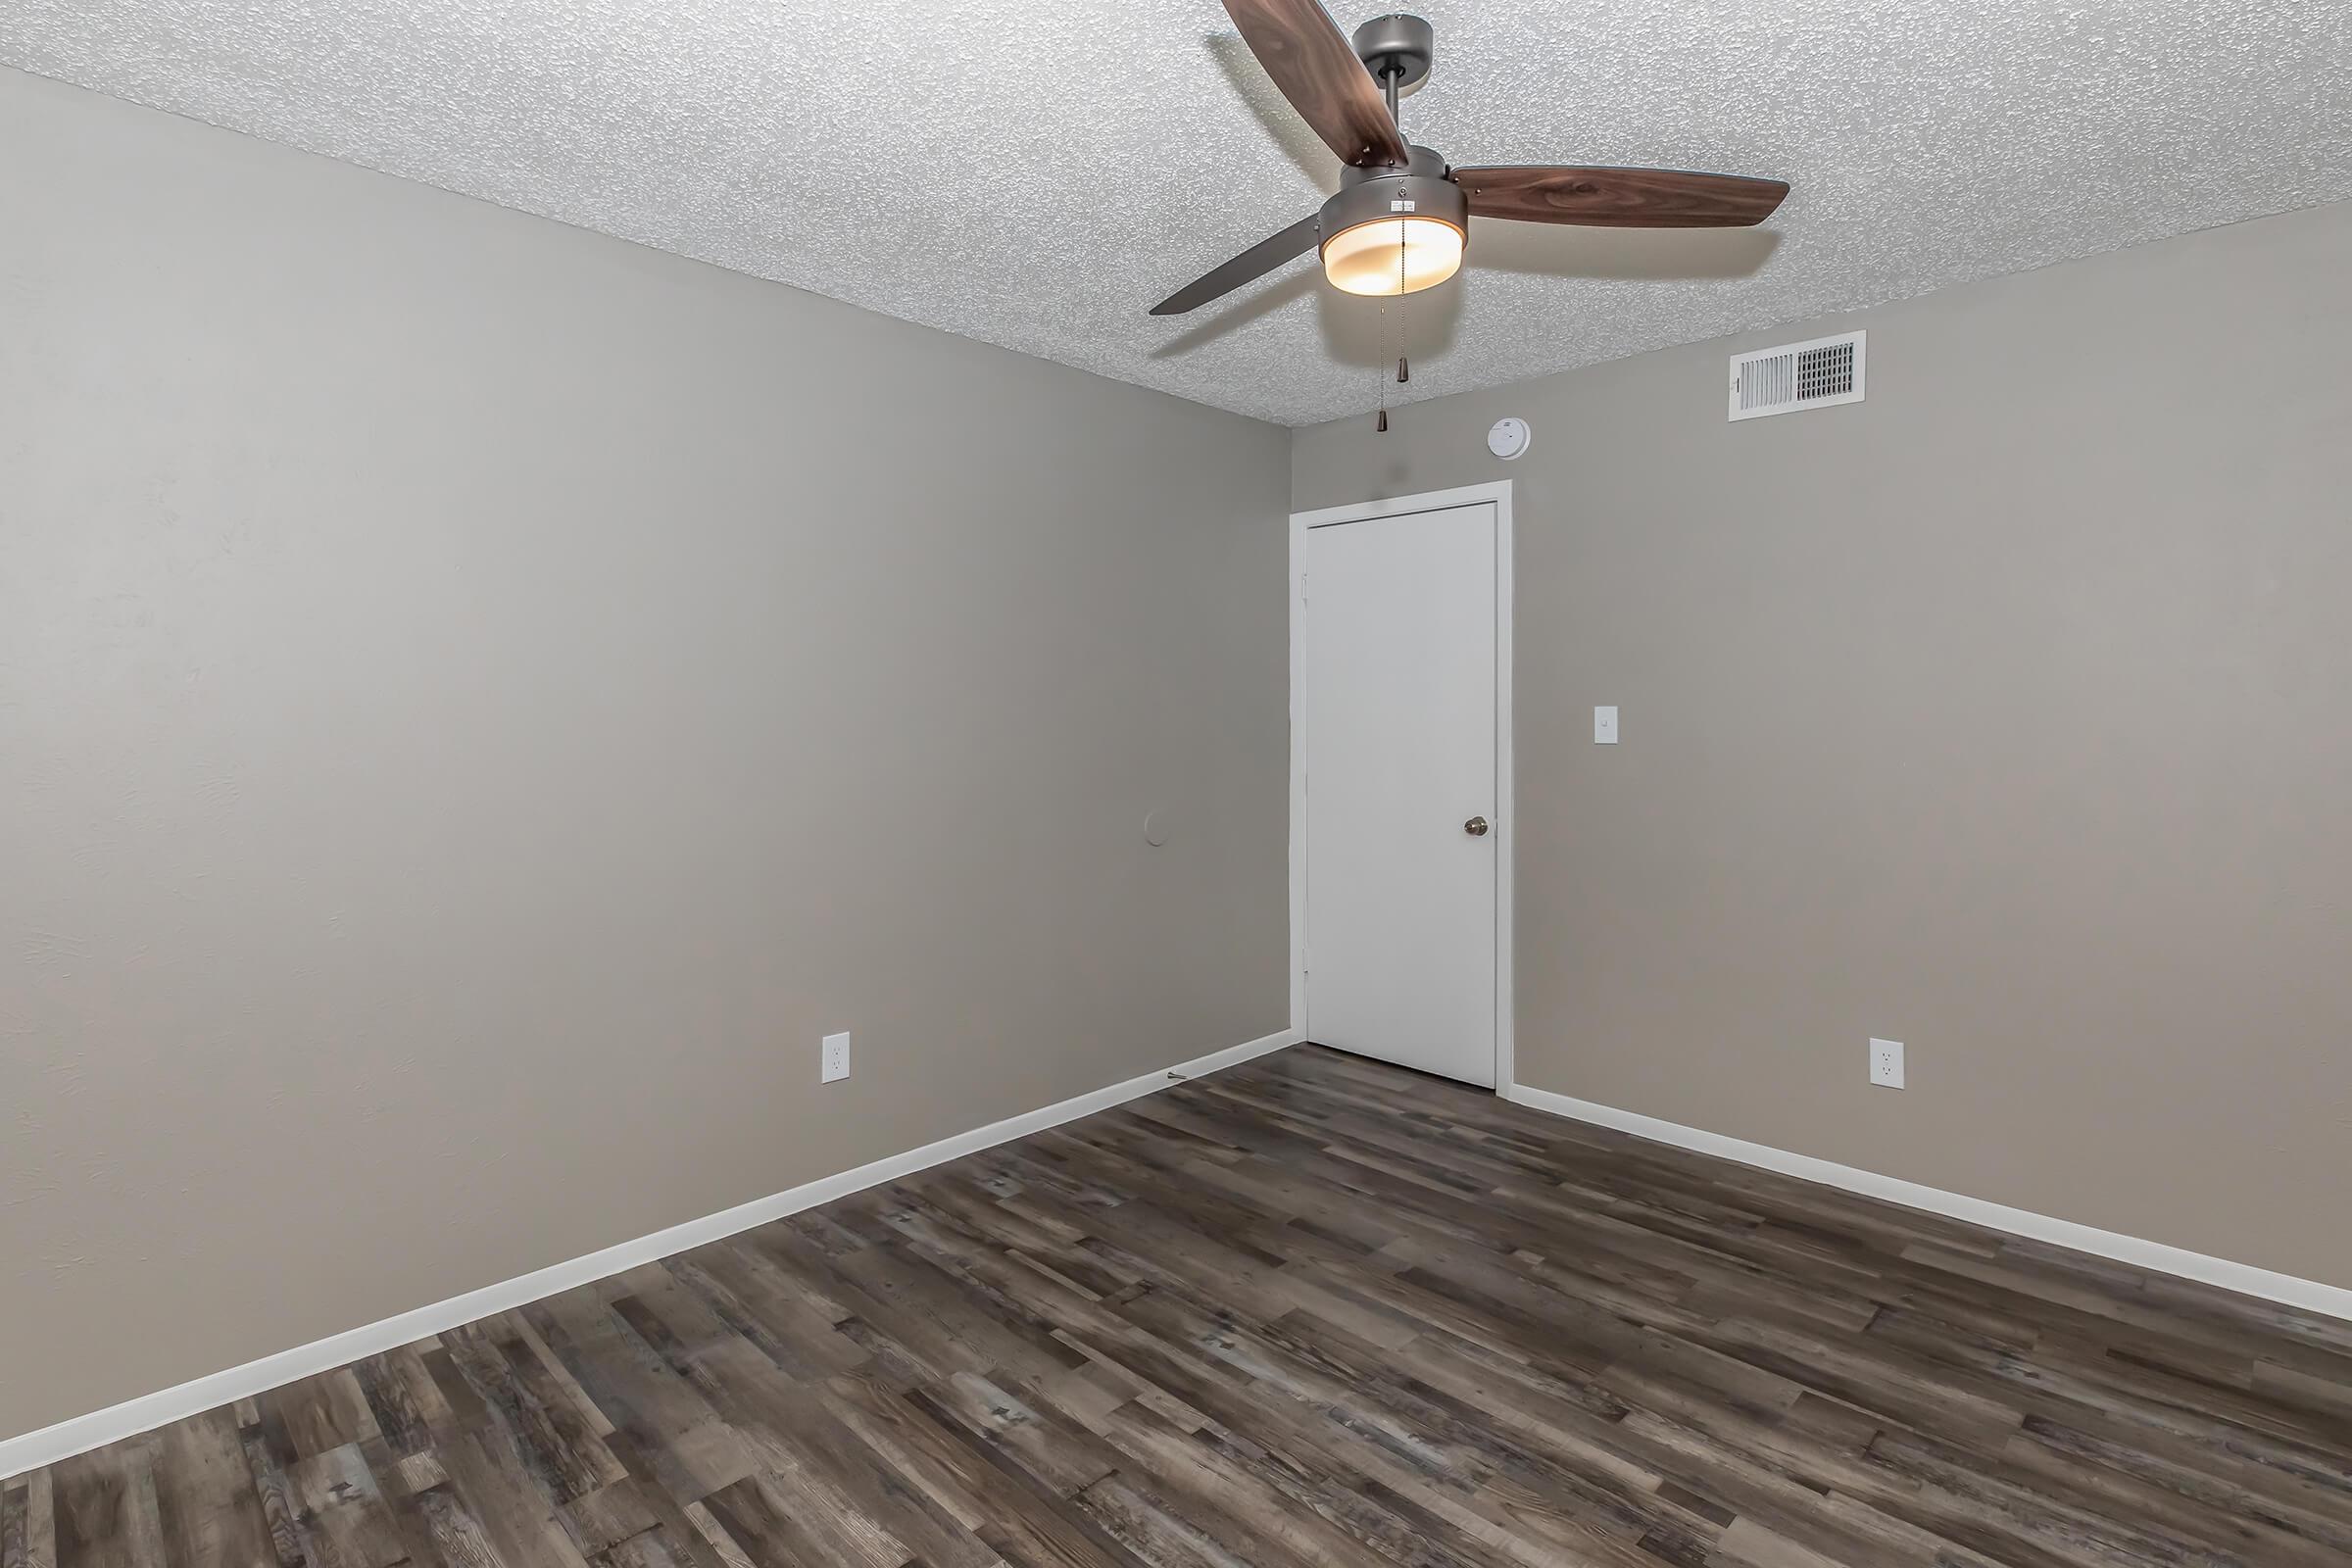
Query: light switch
1605	727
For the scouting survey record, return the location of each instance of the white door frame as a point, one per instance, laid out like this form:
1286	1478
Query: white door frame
1506	821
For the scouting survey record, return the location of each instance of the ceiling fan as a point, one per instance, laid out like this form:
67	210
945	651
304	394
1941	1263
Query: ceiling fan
1401	218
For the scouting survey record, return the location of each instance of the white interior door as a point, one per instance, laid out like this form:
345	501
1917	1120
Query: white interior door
1399	733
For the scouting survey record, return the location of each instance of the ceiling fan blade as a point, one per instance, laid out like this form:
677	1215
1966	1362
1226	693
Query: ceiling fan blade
1317	69
1619	198
1254	263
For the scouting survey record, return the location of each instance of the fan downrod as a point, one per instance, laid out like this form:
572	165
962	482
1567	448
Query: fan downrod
1398	47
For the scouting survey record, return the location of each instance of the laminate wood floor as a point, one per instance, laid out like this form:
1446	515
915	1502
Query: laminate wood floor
1311	1310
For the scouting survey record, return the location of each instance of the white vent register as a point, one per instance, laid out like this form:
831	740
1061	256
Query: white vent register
1798	375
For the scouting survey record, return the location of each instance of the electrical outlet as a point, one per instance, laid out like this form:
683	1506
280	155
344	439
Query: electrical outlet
834	1063
1887	1063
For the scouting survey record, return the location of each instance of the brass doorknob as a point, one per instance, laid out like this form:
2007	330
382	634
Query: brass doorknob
1476	827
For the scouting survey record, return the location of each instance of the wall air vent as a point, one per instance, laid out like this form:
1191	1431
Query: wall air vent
1798	375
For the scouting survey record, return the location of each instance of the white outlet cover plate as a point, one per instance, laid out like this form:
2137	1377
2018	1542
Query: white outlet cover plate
1605	727
833	1062
1887	1063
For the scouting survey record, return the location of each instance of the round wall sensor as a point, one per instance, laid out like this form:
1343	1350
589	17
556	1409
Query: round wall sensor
1509	438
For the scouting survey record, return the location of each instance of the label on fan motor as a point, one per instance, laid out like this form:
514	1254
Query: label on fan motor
1400	207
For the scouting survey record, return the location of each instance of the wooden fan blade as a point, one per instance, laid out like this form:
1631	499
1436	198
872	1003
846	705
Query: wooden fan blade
1317	69
1254	263
1619	198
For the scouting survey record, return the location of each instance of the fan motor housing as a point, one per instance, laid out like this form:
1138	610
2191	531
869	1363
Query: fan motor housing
1419	189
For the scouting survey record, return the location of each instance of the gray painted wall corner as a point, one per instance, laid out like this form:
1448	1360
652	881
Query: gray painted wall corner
2002	715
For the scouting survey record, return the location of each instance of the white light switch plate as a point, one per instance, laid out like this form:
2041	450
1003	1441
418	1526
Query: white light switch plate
836	1058
1887	1063
1605	727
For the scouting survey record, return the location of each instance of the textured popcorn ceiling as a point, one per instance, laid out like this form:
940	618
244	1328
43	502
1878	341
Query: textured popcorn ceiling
1036	175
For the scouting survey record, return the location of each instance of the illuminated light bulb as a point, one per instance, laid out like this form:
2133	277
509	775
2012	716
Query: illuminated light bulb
1364	260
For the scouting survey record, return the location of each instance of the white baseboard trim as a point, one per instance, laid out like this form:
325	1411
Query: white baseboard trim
80	1433
2243	1278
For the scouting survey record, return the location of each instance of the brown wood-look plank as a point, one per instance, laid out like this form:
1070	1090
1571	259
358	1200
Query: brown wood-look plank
443	1533
1310	1312
342	1513
600	1520
106	1512
322	1413
205	1495
506	1499
403	1399
780	1525
27	1526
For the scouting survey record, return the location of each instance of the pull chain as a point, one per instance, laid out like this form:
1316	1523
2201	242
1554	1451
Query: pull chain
1404	371
1390	80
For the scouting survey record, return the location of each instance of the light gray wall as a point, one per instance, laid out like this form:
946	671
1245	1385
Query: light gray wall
2008	714
478	699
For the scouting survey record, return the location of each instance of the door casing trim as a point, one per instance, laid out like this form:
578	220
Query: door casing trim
1506	818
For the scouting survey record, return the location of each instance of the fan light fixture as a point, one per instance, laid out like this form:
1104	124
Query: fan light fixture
1393	256
1401	203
